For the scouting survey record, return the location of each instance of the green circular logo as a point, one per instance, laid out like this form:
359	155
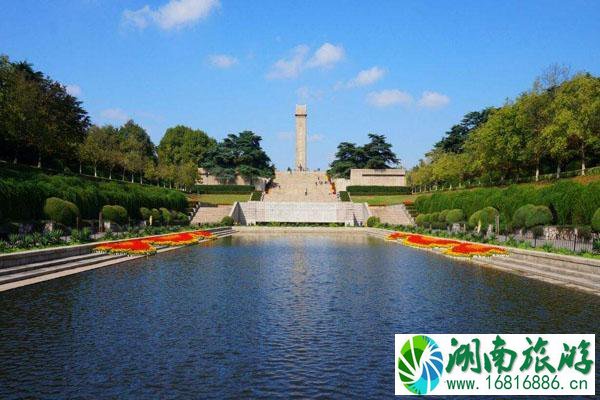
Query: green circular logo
420	364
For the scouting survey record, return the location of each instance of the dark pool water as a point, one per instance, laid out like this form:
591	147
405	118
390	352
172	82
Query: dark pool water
260	316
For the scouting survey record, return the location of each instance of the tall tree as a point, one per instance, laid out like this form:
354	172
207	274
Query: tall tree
378	153
182	144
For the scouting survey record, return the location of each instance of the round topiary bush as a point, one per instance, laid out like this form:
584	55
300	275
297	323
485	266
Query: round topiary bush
442	215
115	214
165	216
145	213
156	216
538	215
433	217
596	221
519	219
486	216
227	221
455	216
61	211
373	221
420	219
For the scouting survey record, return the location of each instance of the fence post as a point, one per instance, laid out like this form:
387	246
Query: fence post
575	243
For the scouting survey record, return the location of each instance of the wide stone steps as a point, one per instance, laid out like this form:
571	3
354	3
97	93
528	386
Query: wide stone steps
210	215
552	274
65	265
45	264
394	214
300	187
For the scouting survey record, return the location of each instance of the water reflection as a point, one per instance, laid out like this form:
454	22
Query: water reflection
259	316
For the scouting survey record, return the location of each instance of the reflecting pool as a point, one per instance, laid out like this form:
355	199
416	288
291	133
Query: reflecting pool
260	316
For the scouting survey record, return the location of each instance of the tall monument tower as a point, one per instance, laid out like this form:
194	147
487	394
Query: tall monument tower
300	137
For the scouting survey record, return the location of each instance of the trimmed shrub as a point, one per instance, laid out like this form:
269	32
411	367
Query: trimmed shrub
571	203
539	215
420	219
23	193
596	221
61	211
224	189
256	195
145	213
529	216
487	216
227	221
455	215
434	217
115	214
165	216
344	196
442	215
373	221
377	190
156	216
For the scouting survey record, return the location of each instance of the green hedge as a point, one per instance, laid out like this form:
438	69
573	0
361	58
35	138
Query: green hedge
114	213
344	196
455	215
373	221
486	216
61	211
224	189
377	190
529	216
596	221
256	196
570	203
22	195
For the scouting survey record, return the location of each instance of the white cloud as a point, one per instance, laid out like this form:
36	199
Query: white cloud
324	57
389	97
306	93
289	67
114	114
73	90
433	100
222	61
315	138
172	15
366	77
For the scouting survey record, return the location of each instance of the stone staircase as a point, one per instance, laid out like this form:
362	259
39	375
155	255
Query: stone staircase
300	187
47	264
210	215
394	214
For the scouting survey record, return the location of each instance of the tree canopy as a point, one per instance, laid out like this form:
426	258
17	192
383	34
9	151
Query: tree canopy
552	126
182	144
239	154
376	154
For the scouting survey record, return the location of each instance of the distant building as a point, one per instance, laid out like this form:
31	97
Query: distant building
373	177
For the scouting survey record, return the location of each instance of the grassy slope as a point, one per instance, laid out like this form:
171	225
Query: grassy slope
225	199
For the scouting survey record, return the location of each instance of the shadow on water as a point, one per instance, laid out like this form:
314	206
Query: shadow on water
260	316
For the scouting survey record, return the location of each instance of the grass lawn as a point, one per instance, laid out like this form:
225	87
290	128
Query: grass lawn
383	200
219	198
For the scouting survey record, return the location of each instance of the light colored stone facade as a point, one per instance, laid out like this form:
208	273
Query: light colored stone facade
301	114
252	212
373	177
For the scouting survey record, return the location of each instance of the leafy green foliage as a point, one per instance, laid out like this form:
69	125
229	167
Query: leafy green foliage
486	216
596	221
114	213
529	216
227	221
145	213
455	215
376	154
61	211
570	203
182	144
377	190
165	216
256	195
23	193
373	221
344	196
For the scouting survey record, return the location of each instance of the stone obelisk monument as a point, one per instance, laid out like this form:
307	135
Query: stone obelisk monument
301	137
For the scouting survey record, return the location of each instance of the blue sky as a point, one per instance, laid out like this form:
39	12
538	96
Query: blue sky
405	69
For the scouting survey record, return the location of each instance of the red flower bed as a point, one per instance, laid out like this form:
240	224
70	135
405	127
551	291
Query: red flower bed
143	246
474	249
454	247
133	247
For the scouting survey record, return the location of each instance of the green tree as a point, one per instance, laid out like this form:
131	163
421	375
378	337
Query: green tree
378	153
181	144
